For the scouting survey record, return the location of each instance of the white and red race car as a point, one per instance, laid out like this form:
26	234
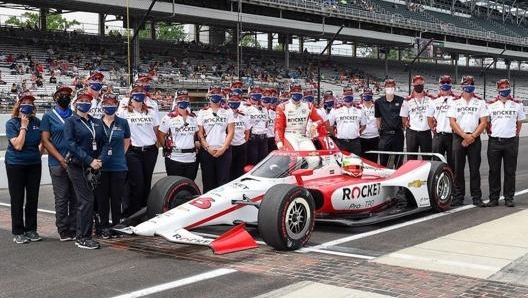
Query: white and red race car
286	193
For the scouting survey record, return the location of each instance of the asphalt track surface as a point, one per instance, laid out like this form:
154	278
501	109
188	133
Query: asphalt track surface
55	269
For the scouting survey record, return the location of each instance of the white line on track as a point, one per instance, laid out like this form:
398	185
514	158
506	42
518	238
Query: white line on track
177	283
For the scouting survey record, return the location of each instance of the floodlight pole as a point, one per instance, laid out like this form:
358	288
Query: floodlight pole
319	63
408	66
134	42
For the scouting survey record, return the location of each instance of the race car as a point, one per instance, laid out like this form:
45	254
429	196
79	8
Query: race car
287	193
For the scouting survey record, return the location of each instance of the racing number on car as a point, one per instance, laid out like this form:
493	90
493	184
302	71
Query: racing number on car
202	203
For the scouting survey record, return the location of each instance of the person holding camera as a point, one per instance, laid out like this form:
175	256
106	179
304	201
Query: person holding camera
85	138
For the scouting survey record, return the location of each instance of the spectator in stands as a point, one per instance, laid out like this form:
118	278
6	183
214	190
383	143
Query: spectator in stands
215	131
85	138
57	147
114	170
39	82
14	88
178	135
2	82
143	151
53	79
23	166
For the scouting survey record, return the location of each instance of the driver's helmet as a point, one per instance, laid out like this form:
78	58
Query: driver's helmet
352	165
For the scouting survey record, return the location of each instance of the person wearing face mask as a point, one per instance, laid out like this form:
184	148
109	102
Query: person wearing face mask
240	137
505	121
369	137
439	122
350	122
387	112
142	153
468	117
145	80
216	128
55	143
258	119
292	120
95	86
23	167
414	118
114	170
270	103
177	134
85	138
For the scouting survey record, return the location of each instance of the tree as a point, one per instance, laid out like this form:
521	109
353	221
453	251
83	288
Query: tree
31	20
250	40
165	31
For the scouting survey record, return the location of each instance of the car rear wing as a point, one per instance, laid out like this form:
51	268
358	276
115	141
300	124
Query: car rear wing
397	153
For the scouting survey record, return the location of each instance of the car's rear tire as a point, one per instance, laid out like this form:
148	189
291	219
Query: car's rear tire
286	217
170	192
440	186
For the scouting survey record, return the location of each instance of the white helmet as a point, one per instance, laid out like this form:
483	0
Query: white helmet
352	165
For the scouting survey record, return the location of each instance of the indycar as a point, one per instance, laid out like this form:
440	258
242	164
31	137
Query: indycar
286	194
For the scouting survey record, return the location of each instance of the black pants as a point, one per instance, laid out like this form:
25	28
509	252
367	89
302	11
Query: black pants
272	145
183	169
23	180
85	201
65	200
443	144
215	170
472	153
257	149
351	145
371	144
139	178
238	161
499	151
418	140
109	194
391	141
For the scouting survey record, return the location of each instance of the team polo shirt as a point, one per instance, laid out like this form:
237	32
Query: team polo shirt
97	108
322	112
415	109
467	113
348	120
80	135
142	125
258	118
53	123
242	124
371	127
113	153
271	123
389	112
215	125
504	117
438	110
182	133
30	153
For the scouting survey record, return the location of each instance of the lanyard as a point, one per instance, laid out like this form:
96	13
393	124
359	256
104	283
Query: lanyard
58	116
111	132
92	130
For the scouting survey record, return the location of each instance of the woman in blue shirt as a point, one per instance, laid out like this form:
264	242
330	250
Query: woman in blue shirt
52	127
114	170
85	138
24	167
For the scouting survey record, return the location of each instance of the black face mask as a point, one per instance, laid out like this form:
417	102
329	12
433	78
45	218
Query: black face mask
418	88
64	101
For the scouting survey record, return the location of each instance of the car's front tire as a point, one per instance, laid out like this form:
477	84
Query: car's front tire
170	192
286	217
440	186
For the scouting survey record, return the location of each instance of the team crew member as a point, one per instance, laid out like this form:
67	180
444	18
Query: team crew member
370	136
506	116
270	103
216	128
143	151
258	119
53	140
414	118
439	122
114	170
240	137
177	133
23	167
292	120
387	112
145	80
95	86
85	138
468	118
350	122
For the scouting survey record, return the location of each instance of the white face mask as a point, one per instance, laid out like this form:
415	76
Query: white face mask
389	91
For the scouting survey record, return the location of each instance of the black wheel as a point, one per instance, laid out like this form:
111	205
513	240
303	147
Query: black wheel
169	192
286	217
440	185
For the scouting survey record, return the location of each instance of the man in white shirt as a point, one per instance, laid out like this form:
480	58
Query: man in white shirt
370	135
349	121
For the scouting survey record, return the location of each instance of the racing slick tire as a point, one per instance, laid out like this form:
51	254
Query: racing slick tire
440	186
169	192
286	217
